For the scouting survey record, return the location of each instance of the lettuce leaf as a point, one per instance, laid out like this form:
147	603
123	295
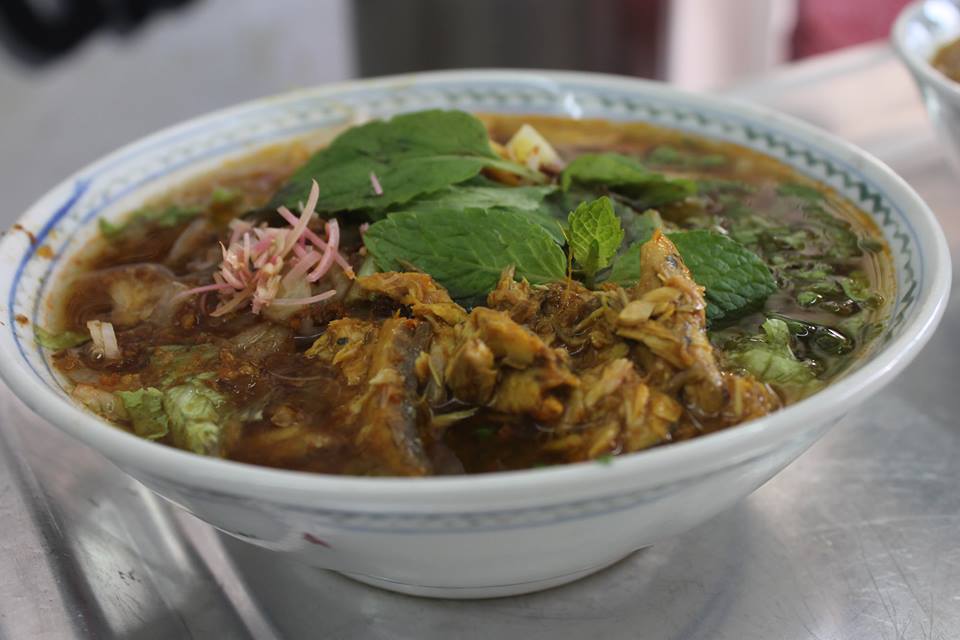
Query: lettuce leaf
194	411
58	341
145	408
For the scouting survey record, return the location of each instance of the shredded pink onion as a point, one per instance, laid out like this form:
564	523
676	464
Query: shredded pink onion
375	183
320	244
257	263
333	244
300	269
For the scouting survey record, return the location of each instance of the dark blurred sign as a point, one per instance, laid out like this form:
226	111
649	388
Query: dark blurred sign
40	30
614	36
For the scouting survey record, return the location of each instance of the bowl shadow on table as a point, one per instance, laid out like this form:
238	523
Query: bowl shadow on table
642	591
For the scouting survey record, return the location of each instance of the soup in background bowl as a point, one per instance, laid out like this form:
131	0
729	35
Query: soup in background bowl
664	171
922	37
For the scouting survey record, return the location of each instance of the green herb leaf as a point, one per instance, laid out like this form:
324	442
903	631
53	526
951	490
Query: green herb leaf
145	408
467	252
818	338
857	288
668	156
58	341
625	270
223	196
639	227
526	199
803	192
735	279
410	155
594	235
626	176
769	357
461	197
169	216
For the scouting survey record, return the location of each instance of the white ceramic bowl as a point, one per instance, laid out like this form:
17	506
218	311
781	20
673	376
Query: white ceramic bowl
495	534
920	30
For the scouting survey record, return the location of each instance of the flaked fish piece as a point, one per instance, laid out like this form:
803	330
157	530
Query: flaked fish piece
506	367
420	292
389	437
666	313
614	411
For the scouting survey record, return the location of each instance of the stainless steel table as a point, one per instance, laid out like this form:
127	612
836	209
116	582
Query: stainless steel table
858	540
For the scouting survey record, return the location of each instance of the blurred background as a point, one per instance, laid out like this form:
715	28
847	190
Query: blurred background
81	77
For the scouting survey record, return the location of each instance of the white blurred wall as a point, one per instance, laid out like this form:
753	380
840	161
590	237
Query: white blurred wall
211	54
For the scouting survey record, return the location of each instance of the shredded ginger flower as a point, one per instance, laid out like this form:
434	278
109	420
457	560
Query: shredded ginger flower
261	261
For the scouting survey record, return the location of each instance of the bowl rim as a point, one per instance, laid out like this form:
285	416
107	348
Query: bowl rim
665	464
918	64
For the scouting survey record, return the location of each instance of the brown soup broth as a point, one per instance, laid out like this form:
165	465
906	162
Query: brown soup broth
284	408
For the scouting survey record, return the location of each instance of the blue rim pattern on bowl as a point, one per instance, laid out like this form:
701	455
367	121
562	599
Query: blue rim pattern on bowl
100	189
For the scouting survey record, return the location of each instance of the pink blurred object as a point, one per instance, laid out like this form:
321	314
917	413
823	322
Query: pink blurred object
825	25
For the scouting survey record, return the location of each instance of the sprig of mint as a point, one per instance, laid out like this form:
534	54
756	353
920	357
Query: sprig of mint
736	279
624	175
594	235
410	155
466	251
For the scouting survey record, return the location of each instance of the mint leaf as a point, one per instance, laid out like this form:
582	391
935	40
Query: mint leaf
735	279
626	268
527	199
410	155
483	197
58	341
594	235
639	227
145	408
626	176
467	252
